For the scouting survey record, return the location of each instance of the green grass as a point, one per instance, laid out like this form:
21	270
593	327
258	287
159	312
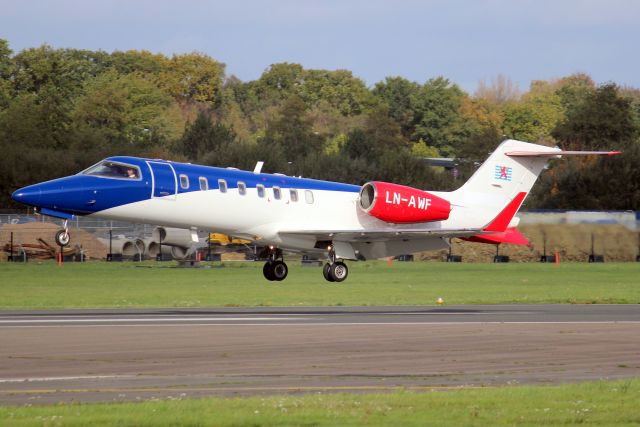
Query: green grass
597	403
101	284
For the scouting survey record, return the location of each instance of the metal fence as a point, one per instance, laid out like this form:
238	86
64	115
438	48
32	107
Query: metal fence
98	227
629	219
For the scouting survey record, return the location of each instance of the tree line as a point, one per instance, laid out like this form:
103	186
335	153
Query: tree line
62	110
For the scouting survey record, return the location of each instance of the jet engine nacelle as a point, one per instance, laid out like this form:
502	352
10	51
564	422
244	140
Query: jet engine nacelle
402	205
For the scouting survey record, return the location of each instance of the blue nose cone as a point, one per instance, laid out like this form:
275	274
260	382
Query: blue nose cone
28	195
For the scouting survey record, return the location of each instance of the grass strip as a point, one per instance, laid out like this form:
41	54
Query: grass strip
101	284
610	403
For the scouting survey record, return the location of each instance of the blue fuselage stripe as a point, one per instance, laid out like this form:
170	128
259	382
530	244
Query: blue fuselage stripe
83	194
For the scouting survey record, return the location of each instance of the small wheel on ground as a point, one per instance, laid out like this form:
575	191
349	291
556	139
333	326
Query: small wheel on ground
326	273
338	271
267	271
279	270
62	238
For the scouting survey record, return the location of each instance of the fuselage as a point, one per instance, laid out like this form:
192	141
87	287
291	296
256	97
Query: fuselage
257	206
376	220
270	209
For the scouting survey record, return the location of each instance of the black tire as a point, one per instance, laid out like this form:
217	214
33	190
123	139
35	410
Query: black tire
267	271
338	271
63	238
279	271
326	273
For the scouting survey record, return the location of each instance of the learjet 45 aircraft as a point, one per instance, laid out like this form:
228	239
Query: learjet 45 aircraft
339	221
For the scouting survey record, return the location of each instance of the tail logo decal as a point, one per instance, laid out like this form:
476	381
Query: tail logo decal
503	173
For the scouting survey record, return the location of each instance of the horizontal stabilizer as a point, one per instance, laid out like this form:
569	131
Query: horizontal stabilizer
512	236
559	153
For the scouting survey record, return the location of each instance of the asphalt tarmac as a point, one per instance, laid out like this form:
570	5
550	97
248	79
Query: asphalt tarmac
116	355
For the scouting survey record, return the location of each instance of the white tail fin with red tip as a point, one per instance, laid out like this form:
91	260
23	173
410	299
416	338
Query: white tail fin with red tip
504	180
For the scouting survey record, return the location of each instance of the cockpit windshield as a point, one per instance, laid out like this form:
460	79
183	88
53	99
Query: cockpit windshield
110	169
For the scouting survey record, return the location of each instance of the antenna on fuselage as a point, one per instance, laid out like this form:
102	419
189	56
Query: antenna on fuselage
258	167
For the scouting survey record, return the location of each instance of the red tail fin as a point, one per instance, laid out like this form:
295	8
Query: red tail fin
501	222
500	225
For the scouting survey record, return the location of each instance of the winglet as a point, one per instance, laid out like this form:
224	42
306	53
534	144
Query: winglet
501	222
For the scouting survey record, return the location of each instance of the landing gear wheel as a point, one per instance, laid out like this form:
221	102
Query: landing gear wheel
279	270
326	273
338	271
62	238
267	271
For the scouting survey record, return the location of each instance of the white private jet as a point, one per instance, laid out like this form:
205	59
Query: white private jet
339	221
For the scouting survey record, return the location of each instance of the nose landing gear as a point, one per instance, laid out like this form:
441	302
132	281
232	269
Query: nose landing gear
275	269
62	236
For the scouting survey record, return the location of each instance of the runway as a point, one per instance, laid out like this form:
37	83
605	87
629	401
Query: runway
106	355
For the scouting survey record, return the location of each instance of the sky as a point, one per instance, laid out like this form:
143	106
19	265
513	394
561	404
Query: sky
464	41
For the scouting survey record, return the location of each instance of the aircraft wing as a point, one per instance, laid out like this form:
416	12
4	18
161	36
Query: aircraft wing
374	235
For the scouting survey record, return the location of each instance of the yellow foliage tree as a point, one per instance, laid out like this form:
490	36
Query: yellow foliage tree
193	77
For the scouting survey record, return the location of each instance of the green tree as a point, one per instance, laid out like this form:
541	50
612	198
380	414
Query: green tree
205	139
138	61
574	90
340	89
6	70
397	93
484	120
64	69
245	95
128	109
604	120
439	122
633	94
534	117
291	130
35	145
22	124
592	183
381	134
280	81
6	63
37	120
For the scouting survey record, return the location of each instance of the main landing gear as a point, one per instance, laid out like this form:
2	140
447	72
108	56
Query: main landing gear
62	236
275	269
334	271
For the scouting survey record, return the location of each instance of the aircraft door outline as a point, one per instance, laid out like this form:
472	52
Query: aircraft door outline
164	182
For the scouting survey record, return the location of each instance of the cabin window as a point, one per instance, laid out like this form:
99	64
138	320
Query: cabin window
277	193
242	188
204	184
109	169
260	189
293	195
308	196
222	184
184	181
